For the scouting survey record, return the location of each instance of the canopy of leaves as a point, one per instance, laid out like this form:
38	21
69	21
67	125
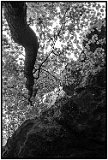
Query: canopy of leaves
91	60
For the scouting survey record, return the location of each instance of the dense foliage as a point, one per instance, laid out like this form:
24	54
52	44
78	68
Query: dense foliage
91	60
72	50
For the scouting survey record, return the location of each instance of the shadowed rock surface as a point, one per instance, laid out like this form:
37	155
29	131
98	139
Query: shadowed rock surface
76	129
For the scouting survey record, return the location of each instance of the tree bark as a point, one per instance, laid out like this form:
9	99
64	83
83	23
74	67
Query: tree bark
15	14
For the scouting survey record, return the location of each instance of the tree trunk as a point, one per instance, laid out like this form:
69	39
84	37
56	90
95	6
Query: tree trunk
15	14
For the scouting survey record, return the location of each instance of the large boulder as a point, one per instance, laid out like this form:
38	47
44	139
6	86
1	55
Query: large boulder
73	128
64	137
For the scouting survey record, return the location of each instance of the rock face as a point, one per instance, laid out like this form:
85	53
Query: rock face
76	129
36	139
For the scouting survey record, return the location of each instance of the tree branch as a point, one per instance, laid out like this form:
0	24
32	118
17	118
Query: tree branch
15	14
40	65
57	79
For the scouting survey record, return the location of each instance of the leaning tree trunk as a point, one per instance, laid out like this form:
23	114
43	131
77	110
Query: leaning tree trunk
15	14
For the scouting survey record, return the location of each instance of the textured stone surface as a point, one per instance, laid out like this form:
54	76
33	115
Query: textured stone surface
76	129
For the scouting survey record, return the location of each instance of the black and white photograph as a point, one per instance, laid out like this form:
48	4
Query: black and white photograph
53	80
